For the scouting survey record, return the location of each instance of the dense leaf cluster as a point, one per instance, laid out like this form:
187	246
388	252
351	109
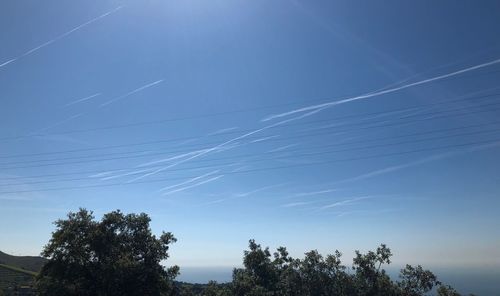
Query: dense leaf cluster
115	256
278	274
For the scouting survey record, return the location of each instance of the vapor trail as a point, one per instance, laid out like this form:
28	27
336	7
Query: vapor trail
222	145
418	162
125	174
189	181
174	164
169	158
60	36
296	204
244	194
221	131
315	192
382	92
82	99
194	185
264	139
281	148
131	92
58	123
344	202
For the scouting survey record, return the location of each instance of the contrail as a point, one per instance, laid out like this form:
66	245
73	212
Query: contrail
282	148
296	204
58	123
170	158
102	174
194	185
418	162
174	164
344	202
222	131
244	194
125	174
382	92
131	92
188	181
315	192
82	99
60	36
264	139
222	145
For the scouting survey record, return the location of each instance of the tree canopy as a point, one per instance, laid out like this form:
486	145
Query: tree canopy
118	255
279	274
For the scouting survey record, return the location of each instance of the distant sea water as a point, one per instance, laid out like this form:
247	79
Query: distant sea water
480	282
201	275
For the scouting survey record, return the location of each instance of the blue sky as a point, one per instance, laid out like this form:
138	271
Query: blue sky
168	107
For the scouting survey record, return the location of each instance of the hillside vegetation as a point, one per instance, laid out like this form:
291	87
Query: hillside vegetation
18	273
12	278
31	263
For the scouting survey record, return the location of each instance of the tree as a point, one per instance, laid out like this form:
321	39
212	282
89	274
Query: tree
415	281
118	255
259	276
445	290
371	279
214	289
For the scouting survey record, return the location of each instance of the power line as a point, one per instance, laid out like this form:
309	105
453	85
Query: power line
169	152
260	169
199	145
274	158
211	115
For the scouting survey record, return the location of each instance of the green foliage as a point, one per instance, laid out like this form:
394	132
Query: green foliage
213	289
416	281
20	270
315	275
447	291
13	277
115	256
120	256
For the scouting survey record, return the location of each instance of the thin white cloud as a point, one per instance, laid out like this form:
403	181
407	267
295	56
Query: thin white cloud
7	62
264	139
213	202
188	181
233	140
381	92
60	36
132	92
312	193
125	174
221	131
170	158
345	202
82	99
244	194
174	164
417	162
341	214
241	168
282	148
59	123
102	174
296	204
193	185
